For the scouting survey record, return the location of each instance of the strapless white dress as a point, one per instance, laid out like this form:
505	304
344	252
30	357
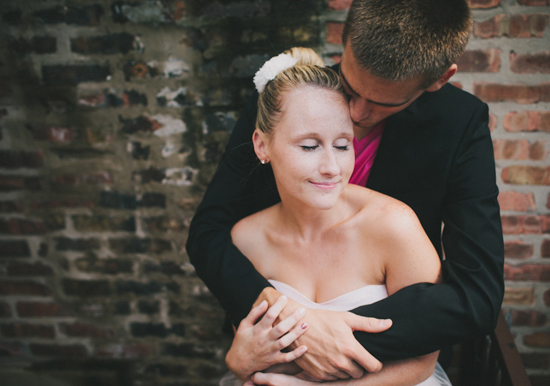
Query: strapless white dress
346	302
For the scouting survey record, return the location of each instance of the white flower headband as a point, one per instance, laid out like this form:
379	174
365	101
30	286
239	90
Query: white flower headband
271	68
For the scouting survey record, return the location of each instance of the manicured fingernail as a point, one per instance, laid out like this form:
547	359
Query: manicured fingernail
303	326
302	311
386	322
263	303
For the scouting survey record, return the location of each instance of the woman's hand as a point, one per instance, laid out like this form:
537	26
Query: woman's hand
257	346
278	380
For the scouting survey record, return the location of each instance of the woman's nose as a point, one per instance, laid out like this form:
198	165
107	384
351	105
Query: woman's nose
329	164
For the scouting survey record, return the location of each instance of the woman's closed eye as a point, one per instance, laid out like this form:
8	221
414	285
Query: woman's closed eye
342	148
309	148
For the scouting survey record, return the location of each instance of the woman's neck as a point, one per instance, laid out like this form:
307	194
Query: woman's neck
310	223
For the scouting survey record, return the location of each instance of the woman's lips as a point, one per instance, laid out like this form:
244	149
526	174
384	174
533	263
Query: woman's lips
324	185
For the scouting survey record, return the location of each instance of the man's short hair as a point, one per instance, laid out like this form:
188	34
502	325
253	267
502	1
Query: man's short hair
400	39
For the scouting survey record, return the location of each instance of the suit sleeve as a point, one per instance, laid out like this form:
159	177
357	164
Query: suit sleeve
229	197
427	317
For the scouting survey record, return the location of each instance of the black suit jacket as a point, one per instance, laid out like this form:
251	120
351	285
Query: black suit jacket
437	157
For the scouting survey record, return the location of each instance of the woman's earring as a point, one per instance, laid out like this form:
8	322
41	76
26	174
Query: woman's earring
263	162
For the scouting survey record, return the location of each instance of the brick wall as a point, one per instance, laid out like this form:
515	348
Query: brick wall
113	117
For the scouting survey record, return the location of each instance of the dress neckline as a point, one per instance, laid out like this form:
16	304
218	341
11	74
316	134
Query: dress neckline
364	295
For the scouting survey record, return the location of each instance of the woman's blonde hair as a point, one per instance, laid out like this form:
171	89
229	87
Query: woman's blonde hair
308	70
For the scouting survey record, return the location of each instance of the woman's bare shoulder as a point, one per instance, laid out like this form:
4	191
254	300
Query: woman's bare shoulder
381	211
251	228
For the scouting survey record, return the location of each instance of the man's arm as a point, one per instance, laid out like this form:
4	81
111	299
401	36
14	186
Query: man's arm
426	316
229	197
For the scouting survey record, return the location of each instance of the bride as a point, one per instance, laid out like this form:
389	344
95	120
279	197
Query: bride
327	245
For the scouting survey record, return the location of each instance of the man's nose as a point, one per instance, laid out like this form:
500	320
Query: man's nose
359	109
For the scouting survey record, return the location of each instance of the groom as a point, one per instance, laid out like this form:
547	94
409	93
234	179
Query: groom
435	154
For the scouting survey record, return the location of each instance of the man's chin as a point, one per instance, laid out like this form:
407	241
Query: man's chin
362	128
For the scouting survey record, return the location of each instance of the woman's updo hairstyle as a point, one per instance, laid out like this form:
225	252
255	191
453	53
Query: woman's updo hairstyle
308	70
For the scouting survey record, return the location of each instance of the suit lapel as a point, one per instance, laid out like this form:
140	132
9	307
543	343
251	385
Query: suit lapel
390	163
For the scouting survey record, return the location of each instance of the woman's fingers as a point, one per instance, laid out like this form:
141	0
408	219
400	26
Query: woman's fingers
291	336
286	324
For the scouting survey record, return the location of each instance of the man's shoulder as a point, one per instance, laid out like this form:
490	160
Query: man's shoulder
451	96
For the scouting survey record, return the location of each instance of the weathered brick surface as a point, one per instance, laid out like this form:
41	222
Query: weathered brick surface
513	26
527	121
113	118
480	61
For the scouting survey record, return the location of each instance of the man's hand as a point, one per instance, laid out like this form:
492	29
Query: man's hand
277	380
332	350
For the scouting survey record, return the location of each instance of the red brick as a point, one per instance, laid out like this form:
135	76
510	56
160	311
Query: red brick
519	93
85	15
519	296
5	310
526	175
535	360
24	288
85	331
534	3
480	61
11	207
545	248
517	249
493	121
528	318
525	224
108	44
538	339
54	134
39	310
339	5
178	10
519	150
517	121
91	178
478	4
72	74
531	63
86	288
110	266
13	159
18	268
13	182
19	226
27	330
125	351
513	26
54	204
539	379
516	201
58	350
11	349
334	32
14	248
527	272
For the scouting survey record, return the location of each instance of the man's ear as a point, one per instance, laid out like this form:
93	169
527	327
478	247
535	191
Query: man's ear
259	139
444	79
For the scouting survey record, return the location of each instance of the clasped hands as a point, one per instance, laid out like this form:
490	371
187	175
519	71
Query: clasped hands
327	352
